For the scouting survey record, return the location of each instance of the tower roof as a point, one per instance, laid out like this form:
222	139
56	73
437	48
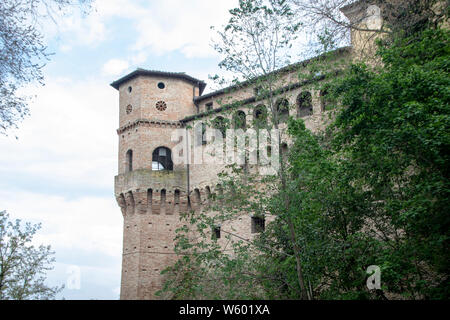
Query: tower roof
143	72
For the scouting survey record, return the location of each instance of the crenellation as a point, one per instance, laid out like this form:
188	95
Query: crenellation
140	199
130	204
156	203
122	203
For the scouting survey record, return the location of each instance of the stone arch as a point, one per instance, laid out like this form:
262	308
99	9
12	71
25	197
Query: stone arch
304	104
260	116
239	120
221	124
282	108
162	159
208	194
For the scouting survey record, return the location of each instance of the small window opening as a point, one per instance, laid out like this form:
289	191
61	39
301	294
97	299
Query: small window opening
258	224
260	116
282	108
216	232
221	124
129	165
239	120
304	104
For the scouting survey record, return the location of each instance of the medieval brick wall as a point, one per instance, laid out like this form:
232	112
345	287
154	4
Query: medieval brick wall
151	201
152	106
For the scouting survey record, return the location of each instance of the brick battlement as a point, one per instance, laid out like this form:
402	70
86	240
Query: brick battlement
145	191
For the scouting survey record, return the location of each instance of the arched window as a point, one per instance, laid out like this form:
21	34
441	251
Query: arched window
304	104
162	159
221	124
260	116
129	161
284	151
282	107
176	201
325	103
197	197
200	133
219	192
176	197
208	194
239	121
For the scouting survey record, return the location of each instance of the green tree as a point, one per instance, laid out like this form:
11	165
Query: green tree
372	189
22	265
397	137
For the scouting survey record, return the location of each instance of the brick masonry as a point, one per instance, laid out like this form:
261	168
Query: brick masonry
151	201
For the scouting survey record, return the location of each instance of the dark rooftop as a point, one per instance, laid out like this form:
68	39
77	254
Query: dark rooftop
143	72
288	68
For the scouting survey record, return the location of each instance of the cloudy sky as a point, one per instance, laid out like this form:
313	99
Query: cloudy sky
60	170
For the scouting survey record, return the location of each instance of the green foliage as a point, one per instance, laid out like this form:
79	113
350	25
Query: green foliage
23	52
395	131
372	189
22	265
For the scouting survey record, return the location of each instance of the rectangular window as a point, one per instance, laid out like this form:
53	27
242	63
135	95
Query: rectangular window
216	232
209	106
258	224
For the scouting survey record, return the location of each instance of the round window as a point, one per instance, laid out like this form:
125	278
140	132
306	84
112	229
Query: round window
161	85
161	105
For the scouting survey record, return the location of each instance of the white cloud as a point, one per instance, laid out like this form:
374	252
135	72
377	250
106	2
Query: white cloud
114	67
181	25
60	172
91	224
160	26
70	136
83	232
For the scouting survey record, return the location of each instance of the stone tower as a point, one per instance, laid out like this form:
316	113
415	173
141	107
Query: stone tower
150	190
365	18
